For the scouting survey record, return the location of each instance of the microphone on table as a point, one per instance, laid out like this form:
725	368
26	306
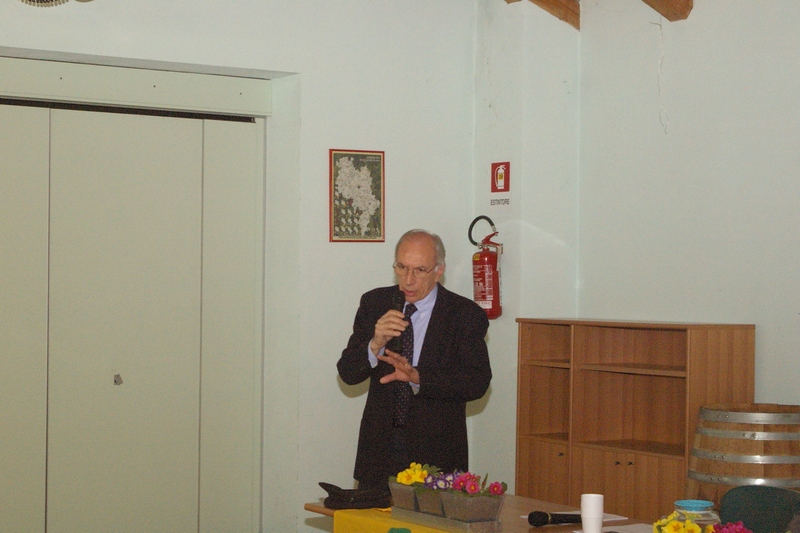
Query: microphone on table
398	302
540	518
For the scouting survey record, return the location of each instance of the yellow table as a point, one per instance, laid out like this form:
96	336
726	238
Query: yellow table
372	521
513	516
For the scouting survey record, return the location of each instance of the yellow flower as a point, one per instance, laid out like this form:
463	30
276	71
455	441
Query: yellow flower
691	527
405	477
674	526
412	474
663	522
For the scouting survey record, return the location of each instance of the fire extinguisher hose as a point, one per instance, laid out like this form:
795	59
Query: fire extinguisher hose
482	217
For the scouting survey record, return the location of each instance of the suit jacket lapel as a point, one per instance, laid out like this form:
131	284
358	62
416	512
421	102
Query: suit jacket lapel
439	323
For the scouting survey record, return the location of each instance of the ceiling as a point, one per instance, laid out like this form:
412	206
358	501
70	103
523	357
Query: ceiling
570	12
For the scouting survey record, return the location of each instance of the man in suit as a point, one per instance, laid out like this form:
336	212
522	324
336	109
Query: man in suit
449	366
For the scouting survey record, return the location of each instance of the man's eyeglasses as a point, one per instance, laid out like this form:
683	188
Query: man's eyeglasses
419	272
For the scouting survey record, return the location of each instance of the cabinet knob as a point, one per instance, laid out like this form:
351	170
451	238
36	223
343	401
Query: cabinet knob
617	462
561	454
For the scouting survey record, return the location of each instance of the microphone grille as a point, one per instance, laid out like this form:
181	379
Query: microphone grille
538	518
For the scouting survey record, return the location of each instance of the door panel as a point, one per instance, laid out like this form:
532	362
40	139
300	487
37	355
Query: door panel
233	234
24	145
126	211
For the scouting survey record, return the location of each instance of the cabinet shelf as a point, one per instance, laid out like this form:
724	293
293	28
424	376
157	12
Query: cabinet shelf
562	438
642	369
606	406
631	445
561	363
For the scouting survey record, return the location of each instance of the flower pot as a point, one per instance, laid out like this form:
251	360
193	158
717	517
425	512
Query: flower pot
430	501
465	508
403	496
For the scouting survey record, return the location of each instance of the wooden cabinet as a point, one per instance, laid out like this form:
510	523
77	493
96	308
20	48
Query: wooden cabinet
620	401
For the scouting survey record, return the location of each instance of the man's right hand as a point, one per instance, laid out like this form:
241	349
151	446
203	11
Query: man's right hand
389	326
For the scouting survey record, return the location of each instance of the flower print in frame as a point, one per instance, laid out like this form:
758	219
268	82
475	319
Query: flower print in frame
356	196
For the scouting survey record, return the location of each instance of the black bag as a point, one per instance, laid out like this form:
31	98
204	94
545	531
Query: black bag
339	498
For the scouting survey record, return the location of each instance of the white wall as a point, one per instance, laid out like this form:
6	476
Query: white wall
376	75
686	133
526	110
689	194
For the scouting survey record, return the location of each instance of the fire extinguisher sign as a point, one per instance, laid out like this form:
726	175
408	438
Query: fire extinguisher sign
500	185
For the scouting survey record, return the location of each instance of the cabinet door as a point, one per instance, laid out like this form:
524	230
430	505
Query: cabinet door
618	474
125	274
602	472
543	470
663	480
24	139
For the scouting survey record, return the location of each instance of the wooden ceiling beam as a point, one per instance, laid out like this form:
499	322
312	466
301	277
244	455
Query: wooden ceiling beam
567	10
570	11
671	10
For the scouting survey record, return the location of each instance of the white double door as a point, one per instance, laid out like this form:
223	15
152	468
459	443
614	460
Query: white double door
130	354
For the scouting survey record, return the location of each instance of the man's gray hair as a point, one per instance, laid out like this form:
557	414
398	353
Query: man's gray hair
438	245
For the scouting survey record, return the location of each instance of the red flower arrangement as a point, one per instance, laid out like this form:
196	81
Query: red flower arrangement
472	485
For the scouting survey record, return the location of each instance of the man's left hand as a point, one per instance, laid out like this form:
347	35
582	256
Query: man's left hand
403	370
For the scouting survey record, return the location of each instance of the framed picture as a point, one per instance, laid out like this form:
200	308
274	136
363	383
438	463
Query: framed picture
356	196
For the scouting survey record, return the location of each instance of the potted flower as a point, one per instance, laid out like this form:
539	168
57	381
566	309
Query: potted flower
429	496
470	499
679	522
402	485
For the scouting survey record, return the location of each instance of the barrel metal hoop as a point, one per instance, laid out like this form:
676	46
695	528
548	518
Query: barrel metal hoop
786	483
749	435
750	459
748	418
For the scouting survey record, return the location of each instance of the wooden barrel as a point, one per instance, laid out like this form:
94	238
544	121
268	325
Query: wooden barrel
744	444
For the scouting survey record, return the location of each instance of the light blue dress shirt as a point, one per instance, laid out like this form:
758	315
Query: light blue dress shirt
419	320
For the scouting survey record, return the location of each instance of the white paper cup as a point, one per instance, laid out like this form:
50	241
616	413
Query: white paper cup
592	504
592	513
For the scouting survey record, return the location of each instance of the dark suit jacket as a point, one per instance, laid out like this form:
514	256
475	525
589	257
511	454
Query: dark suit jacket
453	367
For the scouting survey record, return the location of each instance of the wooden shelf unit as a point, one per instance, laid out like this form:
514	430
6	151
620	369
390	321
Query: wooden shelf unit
611	406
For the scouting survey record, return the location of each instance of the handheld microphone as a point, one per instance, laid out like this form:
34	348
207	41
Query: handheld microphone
540	518
398	301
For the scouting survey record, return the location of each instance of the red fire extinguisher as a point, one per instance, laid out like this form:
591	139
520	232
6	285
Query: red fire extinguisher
486	271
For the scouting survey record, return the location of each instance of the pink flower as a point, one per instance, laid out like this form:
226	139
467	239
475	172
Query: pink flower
461	481
472	486
735	527
496	488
